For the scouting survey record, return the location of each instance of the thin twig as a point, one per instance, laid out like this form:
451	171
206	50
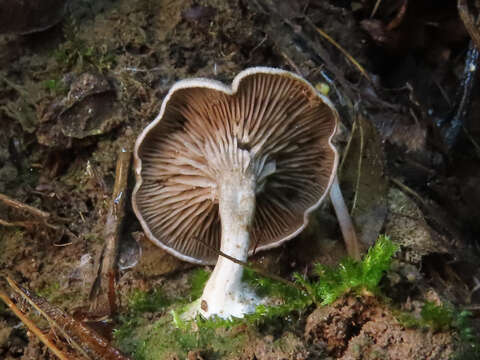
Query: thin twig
102	293
46	310
407	189
82	338
291	63
375	8
32	327
475	144
397	20
25	224
21	206
253	267
342	50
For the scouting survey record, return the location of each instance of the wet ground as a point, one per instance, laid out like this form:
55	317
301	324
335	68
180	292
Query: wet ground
73	95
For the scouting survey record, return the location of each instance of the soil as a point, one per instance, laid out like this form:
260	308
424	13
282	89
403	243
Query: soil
79	87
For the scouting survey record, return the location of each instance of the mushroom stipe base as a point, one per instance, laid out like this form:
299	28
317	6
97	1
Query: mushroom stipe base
224	294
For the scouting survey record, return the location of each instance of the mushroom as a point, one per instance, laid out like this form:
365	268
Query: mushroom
237	169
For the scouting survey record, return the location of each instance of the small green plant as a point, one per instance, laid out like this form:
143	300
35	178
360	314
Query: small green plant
351	275
437	317
152	301
469	341
55	87
50	291
76	51
444	318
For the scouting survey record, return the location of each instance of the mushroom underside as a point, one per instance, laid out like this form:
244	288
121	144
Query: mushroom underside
236	172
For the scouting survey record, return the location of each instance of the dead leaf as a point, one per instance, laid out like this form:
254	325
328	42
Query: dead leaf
363	181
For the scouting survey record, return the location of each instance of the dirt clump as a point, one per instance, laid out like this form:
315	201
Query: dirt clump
362	328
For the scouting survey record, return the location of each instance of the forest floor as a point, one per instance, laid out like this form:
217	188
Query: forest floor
77	94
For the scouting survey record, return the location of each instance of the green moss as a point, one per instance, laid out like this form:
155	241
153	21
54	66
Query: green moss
77	52
9	240
143	340
152	301
437	318
49	291
56	87
446	318
197	282
170	335
432	317
351	275
164	339
469	341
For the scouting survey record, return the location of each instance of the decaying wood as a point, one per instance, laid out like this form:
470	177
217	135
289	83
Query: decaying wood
82	338
102	294
362	176
33	328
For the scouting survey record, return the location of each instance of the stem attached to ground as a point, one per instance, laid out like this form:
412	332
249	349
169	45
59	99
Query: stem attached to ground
224	295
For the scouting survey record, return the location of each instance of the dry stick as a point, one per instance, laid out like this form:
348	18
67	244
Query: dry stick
375	8
21	206
24	224
339	47
397	20
27	208
102	293
408	190
32	327
93	346
50	313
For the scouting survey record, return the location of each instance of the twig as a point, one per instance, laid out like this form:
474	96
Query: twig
397	20
253	267
21	206
375	8
32	327
82	338
339	47
408	190
291	63
42	215
49	312
25	224
102	293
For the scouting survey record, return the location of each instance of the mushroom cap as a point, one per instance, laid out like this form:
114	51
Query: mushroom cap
284	124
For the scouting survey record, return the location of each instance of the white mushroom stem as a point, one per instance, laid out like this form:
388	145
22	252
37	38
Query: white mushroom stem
344	219
224	295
